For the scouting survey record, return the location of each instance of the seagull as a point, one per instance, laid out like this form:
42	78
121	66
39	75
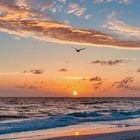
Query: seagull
78	50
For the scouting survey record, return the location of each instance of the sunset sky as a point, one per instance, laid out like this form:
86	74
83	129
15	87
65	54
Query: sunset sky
37	41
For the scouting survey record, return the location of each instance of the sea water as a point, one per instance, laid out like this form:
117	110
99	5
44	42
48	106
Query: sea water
28	114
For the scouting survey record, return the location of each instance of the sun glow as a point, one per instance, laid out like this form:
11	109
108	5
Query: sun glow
75	93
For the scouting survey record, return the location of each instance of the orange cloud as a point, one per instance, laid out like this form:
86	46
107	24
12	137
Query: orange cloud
24	21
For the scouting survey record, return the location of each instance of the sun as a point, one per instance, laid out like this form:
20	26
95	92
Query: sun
75	93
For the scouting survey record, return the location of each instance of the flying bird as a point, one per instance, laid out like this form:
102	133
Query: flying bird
78	50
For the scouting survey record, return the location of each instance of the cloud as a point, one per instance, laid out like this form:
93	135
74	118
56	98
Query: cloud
126	83
75	9
108	1
97	85
63	70
95	79
119	27
34	71
37	71
25	21
38	85
29	87
74	78
97	82
109	62
125	1
138	70
9	73
88	17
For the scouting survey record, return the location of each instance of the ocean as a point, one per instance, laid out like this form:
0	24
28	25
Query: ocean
28	114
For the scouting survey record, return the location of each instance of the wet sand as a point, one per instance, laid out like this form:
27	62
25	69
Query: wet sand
78	133
125	135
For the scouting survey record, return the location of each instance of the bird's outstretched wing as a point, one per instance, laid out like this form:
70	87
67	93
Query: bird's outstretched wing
78	50
82	49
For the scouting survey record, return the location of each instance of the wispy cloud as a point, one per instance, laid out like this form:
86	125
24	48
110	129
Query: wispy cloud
38	85
117	1
126	83
63	70
138	70
88	16
9	73
29	87
34	71
75	9
109	62
119	27
74	78
97	82
95	79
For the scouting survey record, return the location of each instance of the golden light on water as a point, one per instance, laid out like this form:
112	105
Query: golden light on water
77	133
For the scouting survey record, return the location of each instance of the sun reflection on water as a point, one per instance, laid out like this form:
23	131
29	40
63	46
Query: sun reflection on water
77	133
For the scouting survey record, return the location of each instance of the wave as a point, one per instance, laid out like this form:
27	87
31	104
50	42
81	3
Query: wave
126	113
85	114
66	120
5	117
47	113
95	102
